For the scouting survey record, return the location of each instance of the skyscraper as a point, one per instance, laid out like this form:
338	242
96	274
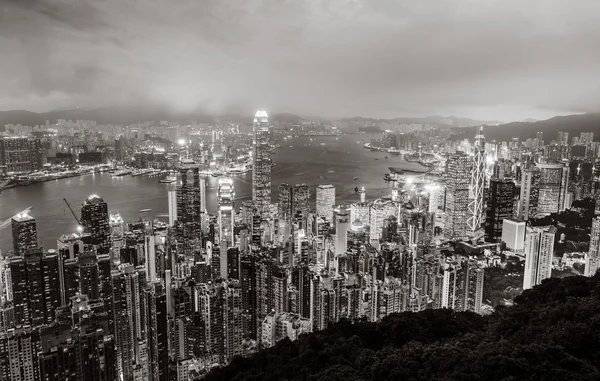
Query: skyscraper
24	233
554	181
225	197
261	166
95	221
300	204
477	184
284	202
513	234
592	262
15	154
457	195
530	194
189	207
539	250
500	207
325	201
172	204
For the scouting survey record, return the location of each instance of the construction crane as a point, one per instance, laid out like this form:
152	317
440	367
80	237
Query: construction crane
6	222
72	212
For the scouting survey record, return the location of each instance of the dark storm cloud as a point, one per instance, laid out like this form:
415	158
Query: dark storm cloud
481	58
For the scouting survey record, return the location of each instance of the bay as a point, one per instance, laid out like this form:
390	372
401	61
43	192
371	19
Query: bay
310	160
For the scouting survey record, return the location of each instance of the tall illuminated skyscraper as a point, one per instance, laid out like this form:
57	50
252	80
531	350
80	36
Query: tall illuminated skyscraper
475	207
189	206
95	221
325	201
457	195
500	207
24	233
592	262
261	165
225	197
172	203
300	204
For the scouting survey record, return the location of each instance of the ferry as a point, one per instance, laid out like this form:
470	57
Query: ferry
122	172
168	180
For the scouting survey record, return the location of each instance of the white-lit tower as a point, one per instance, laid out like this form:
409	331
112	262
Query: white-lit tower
225	197
261	163
477	186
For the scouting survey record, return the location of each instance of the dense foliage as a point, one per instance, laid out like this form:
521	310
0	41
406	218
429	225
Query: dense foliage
552	333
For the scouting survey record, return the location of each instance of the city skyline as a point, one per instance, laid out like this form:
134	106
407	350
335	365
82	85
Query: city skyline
485	60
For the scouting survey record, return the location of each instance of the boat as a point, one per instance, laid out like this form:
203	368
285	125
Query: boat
356	178
376	159
387	177
122	172
168	180
145	210
356	190
386	156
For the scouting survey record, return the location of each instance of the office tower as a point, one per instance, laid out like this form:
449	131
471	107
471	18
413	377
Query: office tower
172	204
150	256
434	196
513	234
554	181
189	208
360	211
457	195
475	217
300	204
15	154
539	250
499	208
592	262
261	164
117	233
284	202
530	194
325	201
225	197
363	195
95	221
342	222
158	341
24	233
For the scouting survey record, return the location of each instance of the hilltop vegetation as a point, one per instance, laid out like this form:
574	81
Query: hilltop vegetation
552	333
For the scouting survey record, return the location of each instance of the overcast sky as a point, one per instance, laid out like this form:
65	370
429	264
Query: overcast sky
487	59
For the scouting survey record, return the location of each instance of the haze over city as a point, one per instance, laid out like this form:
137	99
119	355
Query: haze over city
491	60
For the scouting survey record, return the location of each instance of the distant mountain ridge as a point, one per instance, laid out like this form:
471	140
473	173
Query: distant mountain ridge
573	124
139	114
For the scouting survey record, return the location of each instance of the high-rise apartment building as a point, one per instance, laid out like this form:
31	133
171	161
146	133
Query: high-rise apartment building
539	251
325	201
261	164
300	204
24	233
95	221
15	154
457	195
172	204
475	216
592	262
499	207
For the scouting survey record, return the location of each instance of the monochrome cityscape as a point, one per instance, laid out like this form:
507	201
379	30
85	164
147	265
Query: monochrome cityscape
171	296
307	190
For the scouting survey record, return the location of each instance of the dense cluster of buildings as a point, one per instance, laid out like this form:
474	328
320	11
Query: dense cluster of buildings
153	300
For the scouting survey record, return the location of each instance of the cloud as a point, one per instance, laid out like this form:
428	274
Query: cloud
486	58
